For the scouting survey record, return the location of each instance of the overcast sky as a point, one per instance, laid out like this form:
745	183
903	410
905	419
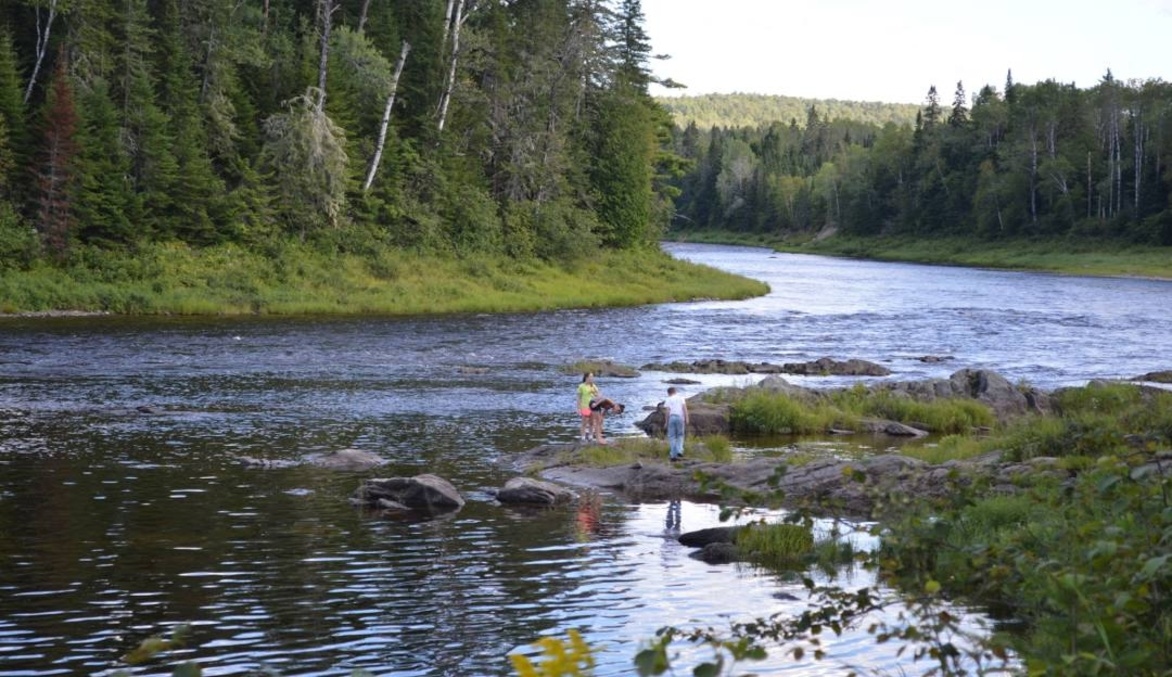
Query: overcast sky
893	50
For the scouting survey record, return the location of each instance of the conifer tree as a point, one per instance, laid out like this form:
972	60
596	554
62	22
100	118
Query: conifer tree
197	191
106	204
959	116
12	116
55	171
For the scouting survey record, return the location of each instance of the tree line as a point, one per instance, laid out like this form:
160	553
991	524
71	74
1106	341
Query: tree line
753	110
1042	160
518	127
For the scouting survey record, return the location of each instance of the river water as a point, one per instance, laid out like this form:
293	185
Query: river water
124	512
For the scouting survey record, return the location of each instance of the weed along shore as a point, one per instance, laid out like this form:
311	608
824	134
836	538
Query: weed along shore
300	280
1046	509
988	432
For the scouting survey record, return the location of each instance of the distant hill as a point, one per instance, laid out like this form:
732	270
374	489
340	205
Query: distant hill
753	110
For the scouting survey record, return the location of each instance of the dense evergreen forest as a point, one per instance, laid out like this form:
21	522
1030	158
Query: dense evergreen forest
754	110
1044	160
515	127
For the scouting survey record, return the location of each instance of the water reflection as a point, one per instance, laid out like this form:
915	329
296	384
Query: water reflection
126	511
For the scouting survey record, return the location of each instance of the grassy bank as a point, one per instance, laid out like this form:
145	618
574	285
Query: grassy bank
295	279
1104	259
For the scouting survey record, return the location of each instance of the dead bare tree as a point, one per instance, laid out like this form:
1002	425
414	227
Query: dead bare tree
327	9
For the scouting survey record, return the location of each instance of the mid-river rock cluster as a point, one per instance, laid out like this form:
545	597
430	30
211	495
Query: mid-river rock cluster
709	411
824	366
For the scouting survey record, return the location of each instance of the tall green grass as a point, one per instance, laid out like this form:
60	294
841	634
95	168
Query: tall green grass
1087	257
777	544
291	278
766	412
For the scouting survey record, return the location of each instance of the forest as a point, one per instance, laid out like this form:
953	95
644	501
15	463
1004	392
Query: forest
1041	161
519	128
753	110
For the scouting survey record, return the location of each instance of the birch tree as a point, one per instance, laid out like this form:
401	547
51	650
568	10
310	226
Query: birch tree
455	20
386	121
45	17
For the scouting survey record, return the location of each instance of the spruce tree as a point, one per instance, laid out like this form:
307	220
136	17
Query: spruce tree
106	205
55	170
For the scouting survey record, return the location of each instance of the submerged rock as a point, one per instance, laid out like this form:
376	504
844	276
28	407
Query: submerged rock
347	459
527	490
340	459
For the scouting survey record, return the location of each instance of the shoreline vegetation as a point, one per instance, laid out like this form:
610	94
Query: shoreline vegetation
1052	522
297	279
1089	258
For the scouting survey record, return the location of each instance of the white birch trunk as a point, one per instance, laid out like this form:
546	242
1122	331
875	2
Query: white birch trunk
1139	133
1034	175
447	23
1090	188
42	46
382	132
327	22
450	83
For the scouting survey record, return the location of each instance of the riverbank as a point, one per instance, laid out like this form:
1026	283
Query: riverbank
299	280
1099	259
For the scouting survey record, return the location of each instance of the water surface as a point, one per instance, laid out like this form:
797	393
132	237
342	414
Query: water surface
124	510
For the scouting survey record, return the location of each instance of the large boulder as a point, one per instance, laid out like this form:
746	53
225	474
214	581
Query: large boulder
425	492
998	393
526	490
825	366
1164	376
704	418
703	537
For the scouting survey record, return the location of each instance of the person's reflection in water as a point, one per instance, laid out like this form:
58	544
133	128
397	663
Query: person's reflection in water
672	523
588	516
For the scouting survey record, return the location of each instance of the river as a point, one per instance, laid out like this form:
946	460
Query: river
124	512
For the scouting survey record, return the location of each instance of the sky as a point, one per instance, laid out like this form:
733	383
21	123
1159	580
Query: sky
894	50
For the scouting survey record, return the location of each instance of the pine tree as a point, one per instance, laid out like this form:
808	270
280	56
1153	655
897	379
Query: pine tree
959	116
197	190
106	205
13	134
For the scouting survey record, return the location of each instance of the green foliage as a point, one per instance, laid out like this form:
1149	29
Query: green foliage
337	272
717	446
955	415
1084	568
770	413
19	244
205	124
975	173
1096	420
767	412
751	111
306	153
776	544
1078	563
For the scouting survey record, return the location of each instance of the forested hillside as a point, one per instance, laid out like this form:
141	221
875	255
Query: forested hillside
1047	159
518	128
753	110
